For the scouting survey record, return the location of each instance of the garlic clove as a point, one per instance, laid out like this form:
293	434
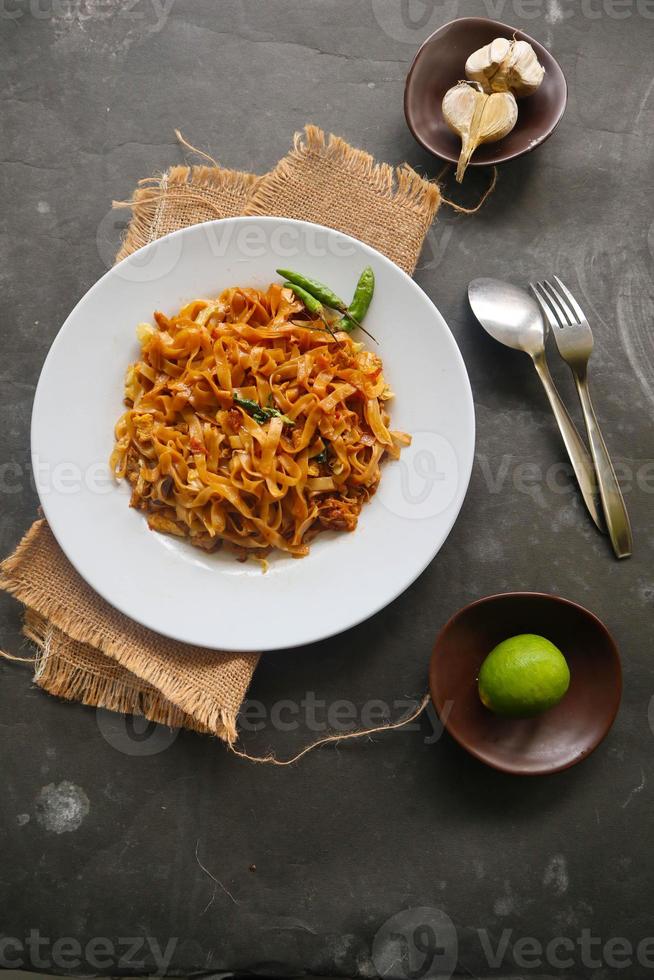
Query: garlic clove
499	116
483	65
477	118
462	106
524	72
505	65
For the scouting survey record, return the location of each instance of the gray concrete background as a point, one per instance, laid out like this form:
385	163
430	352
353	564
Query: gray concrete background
106	827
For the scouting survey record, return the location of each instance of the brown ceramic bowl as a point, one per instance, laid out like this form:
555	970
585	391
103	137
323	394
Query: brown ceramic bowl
561	736
440	64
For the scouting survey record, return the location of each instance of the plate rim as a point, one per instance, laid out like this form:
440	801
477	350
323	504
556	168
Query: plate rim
466	464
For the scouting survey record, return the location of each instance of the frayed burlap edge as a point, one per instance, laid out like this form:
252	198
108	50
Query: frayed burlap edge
185	184
60	675
401	187
188	698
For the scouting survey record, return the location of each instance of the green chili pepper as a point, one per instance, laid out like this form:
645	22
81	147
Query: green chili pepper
360	301
327	297
313	305
322	293
260	414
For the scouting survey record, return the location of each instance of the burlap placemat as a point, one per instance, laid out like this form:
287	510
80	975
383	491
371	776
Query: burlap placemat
86	650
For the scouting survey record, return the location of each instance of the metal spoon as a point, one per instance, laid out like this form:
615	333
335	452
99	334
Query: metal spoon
512	317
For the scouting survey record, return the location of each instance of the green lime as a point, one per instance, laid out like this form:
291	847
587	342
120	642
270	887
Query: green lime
523	676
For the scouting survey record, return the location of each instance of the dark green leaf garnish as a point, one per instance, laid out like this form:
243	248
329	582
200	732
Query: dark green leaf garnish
259	414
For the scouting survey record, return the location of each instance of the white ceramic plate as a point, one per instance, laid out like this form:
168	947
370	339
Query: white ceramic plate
212	600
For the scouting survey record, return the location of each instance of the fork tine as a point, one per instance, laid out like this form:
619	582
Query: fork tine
559	316
544	305
560	307
570	298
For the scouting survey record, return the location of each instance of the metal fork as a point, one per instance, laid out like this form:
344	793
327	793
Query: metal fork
574	340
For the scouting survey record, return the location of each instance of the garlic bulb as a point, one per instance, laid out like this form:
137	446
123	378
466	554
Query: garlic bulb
506	66
477	118
484	64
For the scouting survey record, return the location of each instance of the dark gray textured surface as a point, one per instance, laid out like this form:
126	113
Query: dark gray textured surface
349	837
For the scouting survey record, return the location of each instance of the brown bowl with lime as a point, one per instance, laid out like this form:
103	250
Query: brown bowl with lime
517	706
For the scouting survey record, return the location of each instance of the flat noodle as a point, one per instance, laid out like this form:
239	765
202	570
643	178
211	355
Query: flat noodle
301	456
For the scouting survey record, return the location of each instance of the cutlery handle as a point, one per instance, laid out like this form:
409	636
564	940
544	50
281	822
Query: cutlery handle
615	511
582	464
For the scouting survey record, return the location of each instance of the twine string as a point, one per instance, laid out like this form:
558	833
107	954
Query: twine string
459	207
194	149
157	197
271	759
166	195
327	739
23	660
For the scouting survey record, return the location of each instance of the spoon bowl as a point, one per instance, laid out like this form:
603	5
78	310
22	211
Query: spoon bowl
509	314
